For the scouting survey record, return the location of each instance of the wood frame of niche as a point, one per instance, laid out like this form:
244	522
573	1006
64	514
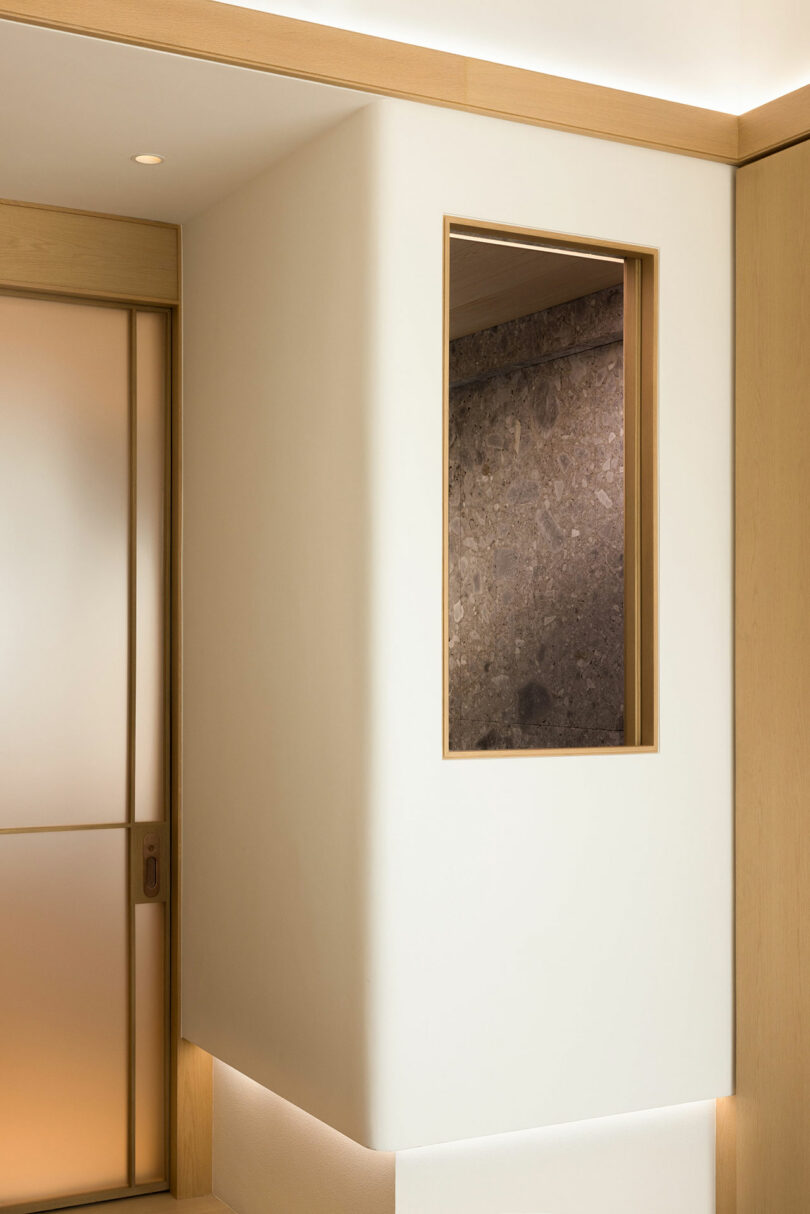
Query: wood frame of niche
61	253
205	29
641	491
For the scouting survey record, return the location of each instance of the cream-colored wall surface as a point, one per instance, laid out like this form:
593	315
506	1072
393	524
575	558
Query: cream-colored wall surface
551	937
272	1158
275	552
656	1162
413	949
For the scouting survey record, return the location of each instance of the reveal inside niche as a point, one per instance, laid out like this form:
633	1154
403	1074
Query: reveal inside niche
536	498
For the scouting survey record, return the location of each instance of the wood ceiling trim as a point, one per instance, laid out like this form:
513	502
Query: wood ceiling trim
263	41
775	125
223	33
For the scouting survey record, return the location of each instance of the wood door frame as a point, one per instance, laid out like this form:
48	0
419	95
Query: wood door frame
133	263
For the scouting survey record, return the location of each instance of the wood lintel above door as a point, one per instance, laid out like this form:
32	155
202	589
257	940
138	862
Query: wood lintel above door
82	253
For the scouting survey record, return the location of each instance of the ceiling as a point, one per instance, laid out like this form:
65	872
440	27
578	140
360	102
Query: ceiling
728	55
74	110
493	283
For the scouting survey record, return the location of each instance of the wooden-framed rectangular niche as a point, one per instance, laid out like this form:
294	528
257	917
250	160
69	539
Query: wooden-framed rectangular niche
549	493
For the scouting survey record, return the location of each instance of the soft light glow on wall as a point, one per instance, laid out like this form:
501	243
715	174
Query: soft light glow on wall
268	1151
731	55
660	1159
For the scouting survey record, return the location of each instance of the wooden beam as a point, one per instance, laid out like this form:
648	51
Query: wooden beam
205	29
775	125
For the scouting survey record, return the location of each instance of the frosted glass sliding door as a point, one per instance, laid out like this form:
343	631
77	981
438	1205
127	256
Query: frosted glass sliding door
63	1048
64	472
83	751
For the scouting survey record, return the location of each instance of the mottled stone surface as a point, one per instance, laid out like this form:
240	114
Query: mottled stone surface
536	516
593	319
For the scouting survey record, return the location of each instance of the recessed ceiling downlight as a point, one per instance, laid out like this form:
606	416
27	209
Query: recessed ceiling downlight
147	158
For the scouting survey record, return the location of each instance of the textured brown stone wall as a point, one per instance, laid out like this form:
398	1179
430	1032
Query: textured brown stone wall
536	516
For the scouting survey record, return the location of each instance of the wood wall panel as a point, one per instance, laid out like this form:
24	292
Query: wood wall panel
79	253
770	1160
192	1143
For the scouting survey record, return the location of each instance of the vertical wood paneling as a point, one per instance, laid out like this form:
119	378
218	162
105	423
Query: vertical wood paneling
192	1141
772	1165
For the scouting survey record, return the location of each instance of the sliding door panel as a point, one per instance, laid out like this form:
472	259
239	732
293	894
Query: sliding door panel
150	1042
150	699
64	469
64	1043
84	927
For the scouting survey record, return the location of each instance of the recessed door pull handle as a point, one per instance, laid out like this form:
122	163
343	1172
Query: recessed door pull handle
151	864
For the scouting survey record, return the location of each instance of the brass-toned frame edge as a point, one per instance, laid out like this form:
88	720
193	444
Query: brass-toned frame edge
648	489
573	752
168	791
175	736
132	595
646	634
631	359
447	225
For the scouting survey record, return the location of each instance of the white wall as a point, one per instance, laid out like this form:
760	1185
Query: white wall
272	1158
550	937
274	618
727	55
418	949
659	1162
